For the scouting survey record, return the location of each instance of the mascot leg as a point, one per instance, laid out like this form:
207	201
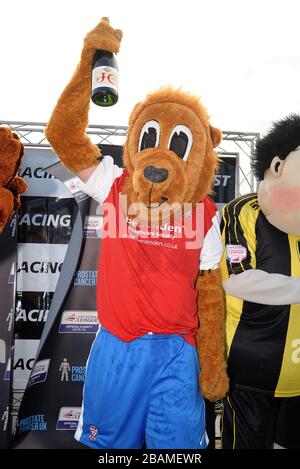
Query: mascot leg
246	416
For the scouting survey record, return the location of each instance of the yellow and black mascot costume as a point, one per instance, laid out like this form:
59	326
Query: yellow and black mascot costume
159	270
261	269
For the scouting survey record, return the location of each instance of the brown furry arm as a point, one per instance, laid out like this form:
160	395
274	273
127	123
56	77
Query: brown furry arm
17	186
6	206
211	335
69	119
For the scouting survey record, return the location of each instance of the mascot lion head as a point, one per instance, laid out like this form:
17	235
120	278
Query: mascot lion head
169	151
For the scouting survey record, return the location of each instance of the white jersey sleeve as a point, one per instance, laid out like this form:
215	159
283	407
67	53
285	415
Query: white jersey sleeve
212	249
102	179
261	287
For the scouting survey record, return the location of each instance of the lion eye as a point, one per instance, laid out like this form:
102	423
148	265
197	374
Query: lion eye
181	141
149	136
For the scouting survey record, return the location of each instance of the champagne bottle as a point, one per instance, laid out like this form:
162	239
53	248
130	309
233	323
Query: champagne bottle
105	79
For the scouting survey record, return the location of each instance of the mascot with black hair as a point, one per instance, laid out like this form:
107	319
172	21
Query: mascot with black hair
261	273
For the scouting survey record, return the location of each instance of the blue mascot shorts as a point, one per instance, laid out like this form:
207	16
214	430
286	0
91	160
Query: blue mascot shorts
144	391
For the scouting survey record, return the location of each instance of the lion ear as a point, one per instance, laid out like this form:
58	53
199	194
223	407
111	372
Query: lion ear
216	136
134	113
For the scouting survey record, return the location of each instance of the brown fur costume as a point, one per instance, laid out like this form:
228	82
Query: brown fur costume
187	181
11	186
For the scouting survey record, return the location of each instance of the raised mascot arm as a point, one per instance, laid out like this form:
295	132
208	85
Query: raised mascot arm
66	130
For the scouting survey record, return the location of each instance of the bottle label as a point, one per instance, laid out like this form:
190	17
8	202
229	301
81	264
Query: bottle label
105	76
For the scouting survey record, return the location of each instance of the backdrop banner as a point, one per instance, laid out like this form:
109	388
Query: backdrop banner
8	250
50	408
51	405
45	223
226	180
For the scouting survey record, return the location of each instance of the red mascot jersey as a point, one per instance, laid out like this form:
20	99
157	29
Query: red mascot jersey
147	275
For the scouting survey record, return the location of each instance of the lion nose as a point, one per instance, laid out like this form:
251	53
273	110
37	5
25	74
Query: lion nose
155	174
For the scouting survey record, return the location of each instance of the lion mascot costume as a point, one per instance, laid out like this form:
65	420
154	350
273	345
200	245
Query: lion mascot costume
261	270
157	269
11	185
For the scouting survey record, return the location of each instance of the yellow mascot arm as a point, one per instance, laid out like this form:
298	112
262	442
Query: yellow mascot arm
66	130
211	335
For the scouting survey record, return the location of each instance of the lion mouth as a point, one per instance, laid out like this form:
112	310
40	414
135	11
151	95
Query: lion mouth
153	205
157	204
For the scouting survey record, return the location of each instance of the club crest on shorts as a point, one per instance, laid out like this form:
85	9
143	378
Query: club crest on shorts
93	432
